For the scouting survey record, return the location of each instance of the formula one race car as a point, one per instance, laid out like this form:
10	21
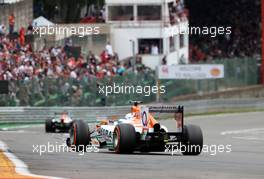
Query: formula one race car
139	131
60	121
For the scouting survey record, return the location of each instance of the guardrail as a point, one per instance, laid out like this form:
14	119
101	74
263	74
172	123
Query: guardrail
91	114
39	114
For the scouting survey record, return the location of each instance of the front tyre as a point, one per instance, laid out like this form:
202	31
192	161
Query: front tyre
193	140
124	138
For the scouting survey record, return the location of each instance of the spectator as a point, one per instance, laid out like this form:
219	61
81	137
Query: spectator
11	20
109	49
121	70
2	30
104	57
164	60
30	28
154	49
22	36
19	62
103	14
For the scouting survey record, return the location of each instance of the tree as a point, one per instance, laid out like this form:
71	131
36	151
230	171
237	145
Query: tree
68	10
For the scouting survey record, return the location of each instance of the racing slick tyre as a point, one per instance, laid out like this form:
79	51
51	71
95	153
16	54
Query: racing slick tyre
193	140
49	126
124	138
80	135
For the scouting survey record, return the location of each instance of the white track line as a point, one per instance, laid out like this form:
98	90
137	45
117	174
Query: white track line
18	132
19	127
21	167
244	131
249	138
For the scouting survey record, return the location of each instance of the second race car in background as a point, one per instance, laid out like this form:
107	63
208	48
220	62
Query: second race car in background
61	122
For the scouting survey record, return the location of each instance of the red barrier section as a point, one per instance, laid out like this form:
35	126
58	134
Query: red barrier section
262	17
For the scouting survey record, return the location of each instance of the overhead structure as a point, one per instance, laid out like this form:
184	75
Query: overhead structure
155	30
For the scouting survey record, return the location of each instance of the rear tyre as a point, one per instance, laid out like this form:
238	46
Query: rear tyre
124	138
80	135
49	126
193	140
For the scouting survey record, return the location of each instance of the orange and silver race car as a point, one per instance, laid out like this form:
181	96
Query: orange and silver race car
61	122
139	131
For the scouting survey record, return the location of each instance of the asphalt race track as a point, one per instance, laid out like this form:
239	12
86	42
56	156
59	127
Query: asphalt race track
244	132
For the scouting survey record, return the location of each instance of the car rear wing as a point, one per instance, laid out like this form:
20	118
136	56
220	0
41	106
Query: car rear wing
62	113
178	112
166	109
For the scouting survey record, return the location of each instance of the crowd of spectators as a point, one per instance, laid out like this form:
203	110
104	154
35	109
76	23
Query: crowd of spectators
20	62
243	16
49	72
178	12
96	16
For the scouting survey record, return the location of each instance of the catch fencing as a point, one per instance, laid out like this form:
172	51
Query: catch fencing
86	92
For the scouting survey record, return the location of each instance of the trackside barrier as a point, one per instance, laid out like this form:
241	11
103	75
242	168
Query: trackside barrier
91	114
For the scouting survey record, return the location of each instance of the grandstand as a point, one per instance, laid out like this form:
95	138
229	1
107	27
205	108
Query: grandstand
243	16
34	73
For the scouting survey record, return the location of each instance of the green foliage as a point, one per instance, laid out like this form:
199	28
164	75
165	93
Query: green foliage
69	10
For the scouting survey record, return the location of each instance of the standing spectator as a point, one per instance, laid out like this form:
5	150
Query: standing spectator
2	30
103	14
11	21
164	60
30	28
154	49
109	49
22	36
104	57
